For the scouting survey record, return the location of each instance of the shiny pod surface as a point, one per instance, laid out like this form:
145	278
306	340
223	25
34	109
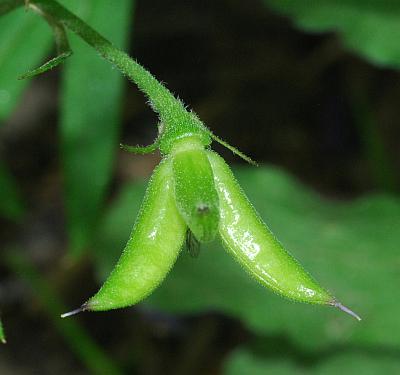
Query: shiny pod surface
195	193
250	241
152	249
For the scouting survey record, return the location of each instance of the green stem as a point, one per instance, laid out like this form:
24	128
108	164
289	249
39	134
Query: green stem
176	118
78	339
159	96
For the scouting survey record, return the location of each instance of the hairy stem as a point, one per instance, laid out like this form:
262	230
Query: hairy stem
171	110
159	96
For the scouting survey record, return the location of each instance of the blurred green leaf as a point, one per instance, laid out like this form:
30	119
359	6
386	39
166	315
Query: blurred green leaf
2	335
371	28
351	248
25	41
351	362
10	200
91	100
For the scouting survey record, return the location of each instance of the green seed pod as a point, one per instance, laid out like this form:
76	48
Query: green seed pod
253	245
196	186
195	194
151	251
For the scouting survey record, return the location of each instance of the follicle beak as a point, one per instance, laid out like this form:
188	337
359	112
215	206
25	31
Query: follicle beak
346	310
84	307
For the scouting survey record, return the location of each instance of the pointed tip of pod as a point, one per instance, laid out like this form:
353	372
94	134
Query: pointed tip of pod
3	341
84	307
346	310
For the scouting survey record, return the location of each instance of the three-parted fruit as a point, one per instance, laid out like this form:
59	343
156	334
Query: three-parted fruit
193	189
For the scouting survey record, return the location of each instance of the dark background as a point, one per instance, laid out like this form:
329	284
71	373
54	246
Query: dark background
284	97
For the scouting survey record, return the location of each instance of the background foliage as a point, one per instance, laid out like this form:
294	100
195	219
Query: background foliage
310	87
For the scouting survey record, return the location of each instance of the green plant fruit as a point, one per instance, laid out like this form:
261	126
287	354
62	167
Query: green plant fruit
195	194
152	249
253	245
193	191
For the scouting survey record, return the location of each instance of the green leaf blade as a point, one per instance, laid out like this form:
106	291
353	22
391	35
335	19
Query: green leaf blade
26	40
90	118
2	334
369	28
350	362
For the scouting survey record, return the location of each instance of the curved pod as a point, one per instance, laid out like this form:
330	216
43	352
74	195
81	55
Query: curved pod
254	246
195	193
152	248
